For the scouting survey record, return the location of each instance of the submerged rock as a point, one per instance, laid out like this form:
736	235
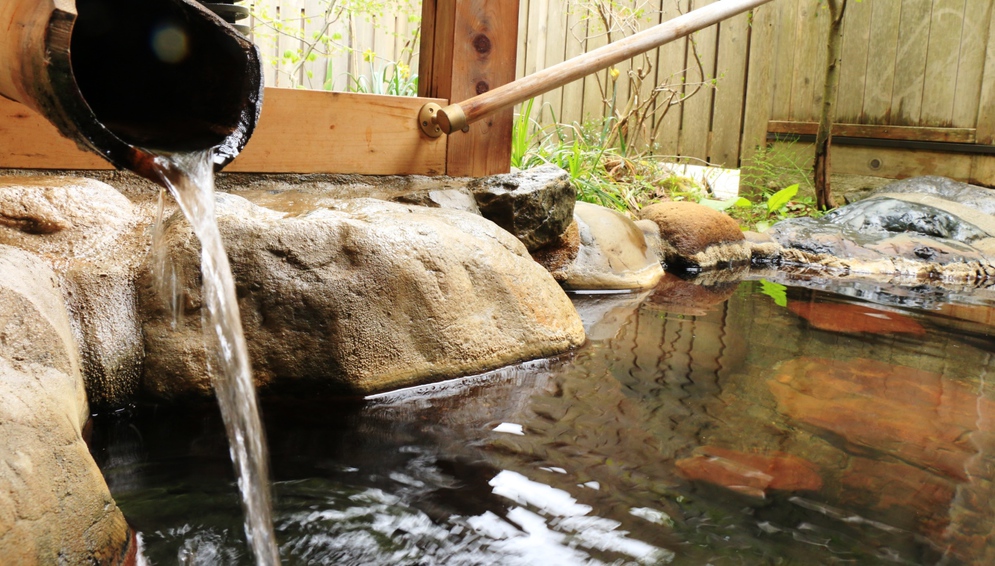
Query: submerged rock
929	227
881	407
751	474
361	297
535	205
845	317
601	250
54	505
693	236
89	233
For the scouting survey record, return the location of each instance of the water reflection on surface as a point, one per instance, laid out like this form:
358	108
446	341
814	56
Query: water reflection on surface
700	424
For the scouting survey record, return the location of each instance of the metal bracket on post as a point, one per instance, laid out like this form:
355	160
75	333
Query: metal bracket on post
436	120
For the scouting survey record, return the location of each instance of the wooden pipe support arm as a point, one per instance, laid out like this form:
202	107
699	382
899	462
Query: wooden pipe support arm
436	121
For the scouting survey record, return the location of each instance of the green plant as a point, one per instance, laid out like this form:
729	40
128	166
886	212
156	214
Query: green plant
391	78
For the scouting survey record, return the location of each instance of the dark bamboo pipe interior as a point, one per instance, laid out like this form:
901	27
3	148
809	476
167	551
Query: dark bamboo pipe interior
156	77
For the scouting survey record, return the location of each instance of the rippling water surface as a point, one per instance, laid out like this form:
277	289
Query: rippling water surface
737	423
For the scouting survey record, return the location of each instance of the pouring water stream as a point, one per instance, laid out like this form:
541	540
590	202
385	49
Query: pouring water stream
190	179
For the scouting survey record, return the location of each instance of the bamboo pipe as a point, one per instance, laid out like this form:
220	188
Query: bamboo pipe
437	121
124	77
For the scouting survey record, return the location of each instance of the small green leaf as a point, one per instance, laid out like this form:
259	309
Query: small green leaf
778	200
719	205
775	291
743	203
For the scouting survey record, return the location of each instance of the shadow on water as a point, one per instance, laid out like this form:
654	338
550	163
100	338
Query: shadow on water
774	422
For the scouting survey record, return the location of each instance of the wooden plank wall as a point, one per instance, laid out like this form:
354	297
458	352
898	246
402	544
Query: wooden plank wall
911	69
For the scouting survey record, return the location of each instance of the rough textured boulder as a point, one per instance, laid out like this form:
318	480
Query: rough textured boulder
928	227
602	250
362	297
88	232
693	236
535	205
54	505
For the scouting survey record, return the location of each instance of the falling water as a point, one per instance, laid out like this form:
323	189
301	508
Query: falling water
190	178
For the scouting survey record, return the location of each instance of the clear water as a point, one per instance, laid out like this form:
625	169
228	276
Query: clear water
738	423
190	179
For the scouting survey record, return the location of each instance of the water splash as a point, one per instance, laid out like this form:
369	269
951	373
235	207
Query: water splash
190	179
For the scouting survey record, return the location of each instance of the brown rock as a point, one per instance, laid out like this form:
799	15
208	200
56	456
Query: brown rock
678	296
695	236
845	317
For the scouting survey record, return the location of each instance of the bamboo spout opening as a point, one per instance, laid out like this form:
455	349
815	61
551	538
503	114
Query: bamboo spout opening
130	78
156	76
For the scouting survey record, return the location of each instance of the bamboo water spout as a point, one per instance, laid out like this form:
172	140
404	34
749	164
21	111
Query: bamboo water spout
123	77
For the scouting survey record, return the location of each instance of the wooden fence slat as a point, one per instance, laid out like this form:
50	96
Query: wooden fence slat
760	85
727	116
594	105
572	109
696	122
942	58
808	74
906	101
882	49
986	106
853	67
784	59
973	47
556	24
671	64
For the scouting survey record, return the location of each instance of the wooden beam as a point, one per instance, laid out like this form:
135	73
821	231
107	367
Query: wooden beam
308	131
469	47
911	133
299	131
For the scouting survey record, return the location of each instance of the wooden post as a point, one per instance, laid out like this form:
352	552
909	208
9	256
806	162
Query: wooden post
468	48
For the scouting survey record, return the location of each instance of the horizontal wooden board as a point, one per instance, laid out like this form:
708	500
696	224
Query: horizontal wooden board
298	132
910	133
898	163
303	131
28	141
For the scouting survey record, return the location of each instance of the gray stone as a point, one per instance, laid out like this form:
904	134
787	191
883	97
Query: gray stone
90	235
54	505
925	227
601	250
360	297
536	205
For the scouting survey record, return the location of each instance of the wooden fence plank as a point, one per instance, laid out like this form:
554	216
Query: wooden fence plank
910	71
913	133
853	66
556	37
784	59
942	58
986	106
303	131
882	52
696	122
760	84
671	64
809	68
970	70
572	109
727	116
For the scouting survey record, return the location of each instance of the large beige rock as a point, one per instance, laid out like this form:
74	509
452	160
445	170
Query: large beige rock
601	250
89	233
54	505
362	297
